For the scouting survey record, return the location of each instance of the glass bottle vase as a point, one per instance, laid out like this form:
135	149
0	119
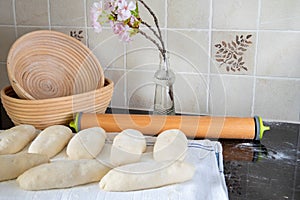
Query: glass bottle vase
164	79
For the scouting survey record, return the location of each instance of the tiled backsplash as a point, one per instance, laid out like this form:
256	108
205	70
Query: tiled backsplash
232	58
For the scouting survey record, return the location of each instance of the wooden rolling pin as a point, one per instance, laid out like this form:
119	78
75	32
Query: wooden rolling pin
192	126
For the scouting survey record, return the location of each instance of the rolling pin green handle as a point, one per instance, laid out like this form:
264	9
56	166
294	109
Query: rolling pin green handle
76	122
260	128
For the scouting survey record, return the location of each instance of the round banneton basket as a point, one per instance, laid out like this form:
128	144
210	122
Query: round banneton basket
47	64
46	112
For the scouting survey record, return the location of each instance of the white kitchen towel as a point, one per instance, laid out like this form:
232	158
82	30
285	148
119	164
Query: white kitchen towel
208	182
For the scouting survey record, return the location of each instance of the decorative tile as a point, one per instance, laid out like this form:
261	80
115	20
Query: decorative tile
189	51
67	13
277	99
280	15
235	14
278	54
32	12
191	14
3	76
118	77
230	95
7	38
190	91
140	90
233	52
141	53
107	48
6	12
78	33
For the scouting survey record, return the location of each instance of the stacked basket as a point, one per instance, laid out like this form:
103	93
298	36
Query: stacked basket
53	76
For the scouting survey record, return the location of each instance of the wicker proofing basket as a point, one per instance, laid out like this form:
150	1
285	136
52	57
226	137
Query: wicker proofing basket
47	64
47	112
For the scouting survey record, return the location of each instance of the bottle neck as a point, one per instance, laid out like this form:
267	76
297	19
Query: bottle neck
164	63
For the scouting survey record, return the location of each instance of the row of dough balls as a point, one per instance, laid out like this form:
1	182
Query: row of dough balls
82	148
127	147
86	144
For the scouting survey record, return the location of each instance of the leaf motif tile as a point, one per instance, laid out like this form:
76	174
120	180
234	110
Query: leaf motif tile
233	52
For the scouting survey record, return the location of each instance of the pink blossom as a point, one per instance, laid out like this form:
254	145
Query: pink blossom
97	26
133	20
96	11
121	30
125	36
124	9
111	4
97	8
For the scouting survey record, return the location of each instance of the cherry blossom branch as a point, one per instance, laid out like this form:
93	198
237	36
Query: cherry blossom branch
162	51
150	27
157	26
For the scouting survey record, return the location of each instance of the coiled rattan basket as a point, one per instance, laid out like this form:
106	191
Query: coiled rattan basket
47	64
46	112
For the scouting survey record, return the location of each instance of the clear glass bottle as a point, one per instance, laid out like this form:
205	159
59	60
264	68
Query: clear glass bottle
164	79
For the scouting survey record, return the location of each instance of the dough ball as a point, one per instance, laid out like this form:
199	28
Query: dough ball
145	175
51	140
127	147
62	174
14	165
16	138
170	145
86	144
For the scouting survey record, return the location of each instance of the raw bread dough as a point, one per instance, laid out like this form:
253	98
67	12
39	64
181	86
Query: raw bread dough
86	144
16	138
15	164
170	145
62	174
127	147
145	175
51	140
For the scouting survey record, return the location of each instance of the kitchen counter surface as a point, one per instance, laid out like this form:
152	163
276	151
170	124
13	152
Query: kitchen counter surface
263	170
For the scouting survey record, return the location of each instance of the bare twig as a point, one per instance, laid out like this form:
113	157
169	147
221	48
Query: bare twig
150	27
163	49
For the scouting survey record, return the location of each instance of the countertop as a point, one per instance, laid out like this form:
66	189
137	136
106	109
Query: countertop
263	170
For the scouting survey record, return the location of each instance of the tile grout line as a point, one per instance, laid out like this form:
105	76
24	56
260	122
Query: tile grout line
226	75
168	29
49	15
232	30
256	58
209	56
125	76
85	22
15	18
254	30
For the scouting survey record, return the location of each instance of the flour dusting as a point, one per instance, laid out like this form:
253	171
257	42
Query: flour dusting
278	156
